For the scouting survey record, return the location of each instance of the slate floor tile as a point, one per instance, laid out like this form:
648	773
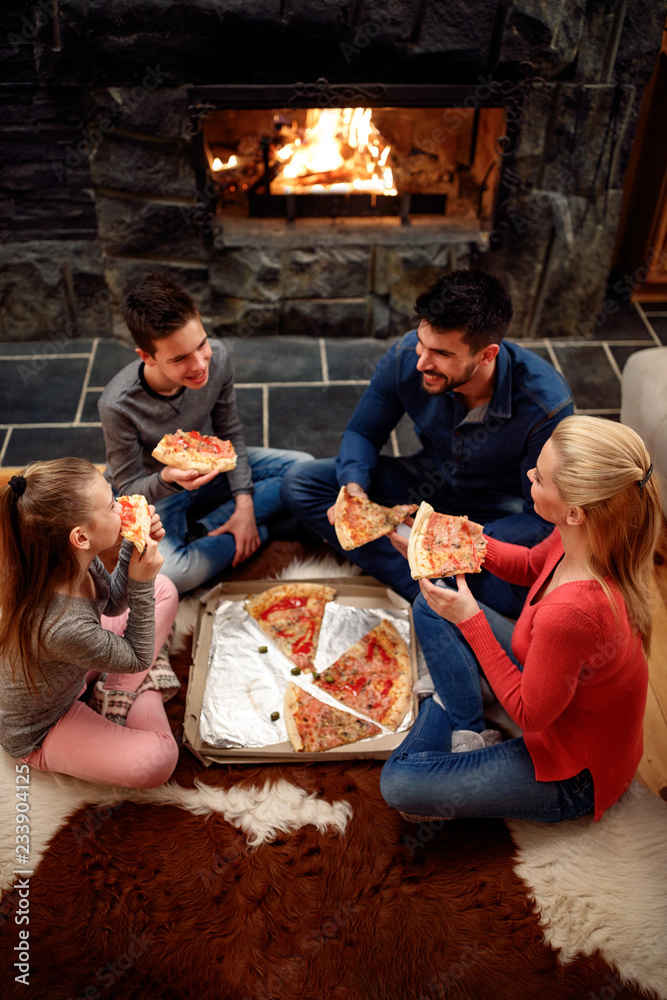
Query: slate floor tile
275	359
621	354
626	324
249	403
32	444
110	357
89	414
311	419
59	344
408	442
659	324
354	359
593	382
40	394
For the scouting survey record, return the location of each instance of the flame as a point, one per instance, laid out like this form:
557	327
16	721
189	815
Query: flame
341	151
219	165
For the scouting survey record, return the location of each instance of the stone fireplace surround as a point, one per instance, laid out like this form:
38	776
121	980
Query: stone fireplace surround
103	179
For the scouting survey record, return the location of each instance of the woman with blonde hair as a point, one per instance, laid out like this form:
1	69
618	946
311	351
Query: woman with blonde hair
571	672
66	623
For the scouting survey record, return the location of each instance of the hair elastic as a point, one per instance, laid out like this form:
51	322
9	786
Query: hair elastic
18	485
642	482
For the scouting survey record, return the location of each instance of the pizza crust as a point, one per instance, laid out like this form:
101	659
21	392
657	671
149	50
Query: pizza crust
291	705
417	569
395	645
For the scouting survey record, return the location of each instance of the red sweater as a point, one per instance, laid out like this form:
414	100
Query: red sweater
581	697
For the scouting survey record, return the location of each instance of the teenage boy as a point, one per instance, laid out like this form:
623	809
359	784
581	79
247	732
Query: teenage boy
482	409
184	381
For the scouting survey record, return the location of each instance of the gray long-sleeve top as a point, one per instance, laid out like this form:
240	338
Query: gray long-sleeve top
135	417
76	642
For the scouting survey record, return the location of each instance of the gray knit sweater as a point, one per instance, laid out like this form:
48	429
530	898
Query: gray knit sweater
78	643
135	417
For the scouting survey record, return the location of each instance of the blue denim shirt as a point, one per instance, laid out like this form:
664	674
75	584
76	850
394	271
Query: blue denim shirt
480	458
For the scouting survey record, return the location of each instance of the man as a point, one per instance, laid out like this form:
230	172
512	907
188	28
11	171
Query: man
184	381
482	409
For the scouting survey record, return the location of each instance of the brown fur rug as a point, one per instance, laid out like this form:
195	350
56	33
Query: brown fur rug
145	900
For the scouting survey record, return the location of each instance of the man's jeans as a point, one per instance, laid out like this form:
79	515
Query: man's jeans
310	489
422	776
193	564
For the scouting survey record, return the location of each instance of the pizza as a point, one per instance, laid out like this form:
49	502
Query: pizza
291	615
313	726
192	450
357	520
373	676
443	545
135	519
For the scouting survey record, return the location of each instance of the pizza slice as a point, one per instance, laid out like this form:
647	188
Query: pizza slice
135	519
291	616
313	726
192	450
358	520
444	544
373	676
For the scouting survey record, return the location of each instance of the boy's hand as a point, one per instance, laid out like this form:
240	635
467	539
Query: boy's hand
189	479
243	527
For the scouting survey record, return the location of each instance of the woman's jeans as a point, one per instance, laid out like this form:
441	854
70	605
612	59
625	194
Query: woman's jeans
423	777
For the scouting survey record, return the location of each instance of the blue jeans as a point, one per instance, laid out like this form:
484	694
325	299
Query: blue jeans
422	776
309	490
190	565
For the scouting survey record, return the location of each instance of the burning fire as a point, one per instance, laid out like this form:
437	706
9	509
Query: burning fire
341	151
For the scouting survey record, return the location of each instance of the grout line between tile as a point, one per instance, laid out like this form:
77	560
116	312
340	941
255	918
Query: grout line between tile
86	379
612	361
642	315
324	360
3	450
299	385
554	360
33	357
393	437
265	415
46	427
596	411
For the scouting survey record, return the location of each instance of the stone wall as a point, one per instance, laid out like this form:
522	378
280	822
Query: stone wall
101	187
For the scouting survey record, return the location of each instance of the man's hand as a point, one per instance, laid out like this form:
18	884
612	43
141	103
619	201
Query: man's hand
243	527
400	541
355	490
454	605
189	479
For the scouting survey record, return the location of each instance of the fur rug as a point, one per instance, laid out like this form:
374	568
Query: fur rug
296	882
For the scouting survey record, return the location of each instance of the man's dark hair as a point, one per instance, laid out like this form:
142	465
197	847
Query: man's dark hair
471	301
155	308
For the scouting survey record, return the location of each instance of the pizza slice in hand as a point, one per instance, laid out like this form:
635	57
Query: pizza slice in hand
373	676
190	450
358	520
135	519
444	544
313	726
291	616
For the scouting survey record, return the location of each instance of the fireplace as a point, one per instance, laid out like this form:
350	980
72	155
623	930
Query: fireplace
507	128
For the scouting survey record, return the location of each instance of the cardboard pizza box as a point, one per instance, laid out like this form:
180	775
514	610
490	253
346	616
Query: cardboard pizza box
357	591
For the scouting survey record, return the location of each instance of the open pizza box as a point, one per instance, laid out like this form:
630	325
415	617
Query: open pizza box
355	591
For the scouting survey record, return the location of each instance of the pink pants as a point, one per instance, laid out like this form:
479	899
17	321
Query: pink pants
143	753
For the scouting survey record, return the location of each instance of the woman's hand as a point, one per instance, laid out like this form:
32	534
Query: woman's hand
454	605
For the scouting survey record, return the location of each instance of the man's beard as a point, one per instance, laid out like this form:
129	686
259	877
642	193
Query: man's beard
446	384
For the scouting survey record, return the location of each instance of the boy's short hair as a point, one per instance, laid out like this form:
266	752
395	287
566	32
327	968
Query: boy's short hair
155	308
471	301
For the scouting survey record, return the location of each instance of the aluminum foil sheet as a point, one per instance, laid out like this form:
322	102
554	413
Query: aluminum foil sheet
244	687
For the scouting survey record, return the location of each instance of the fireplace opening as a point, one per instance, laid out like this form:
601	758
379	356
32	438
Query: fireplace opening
406	162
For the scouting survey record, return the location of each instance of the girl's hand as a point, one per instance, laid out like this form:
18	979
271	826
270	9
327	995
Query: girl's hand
454	605
147	565
157	531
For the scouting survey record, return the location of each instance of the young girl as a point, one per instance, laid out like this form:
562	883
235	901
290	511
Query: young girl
571	673
64	621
